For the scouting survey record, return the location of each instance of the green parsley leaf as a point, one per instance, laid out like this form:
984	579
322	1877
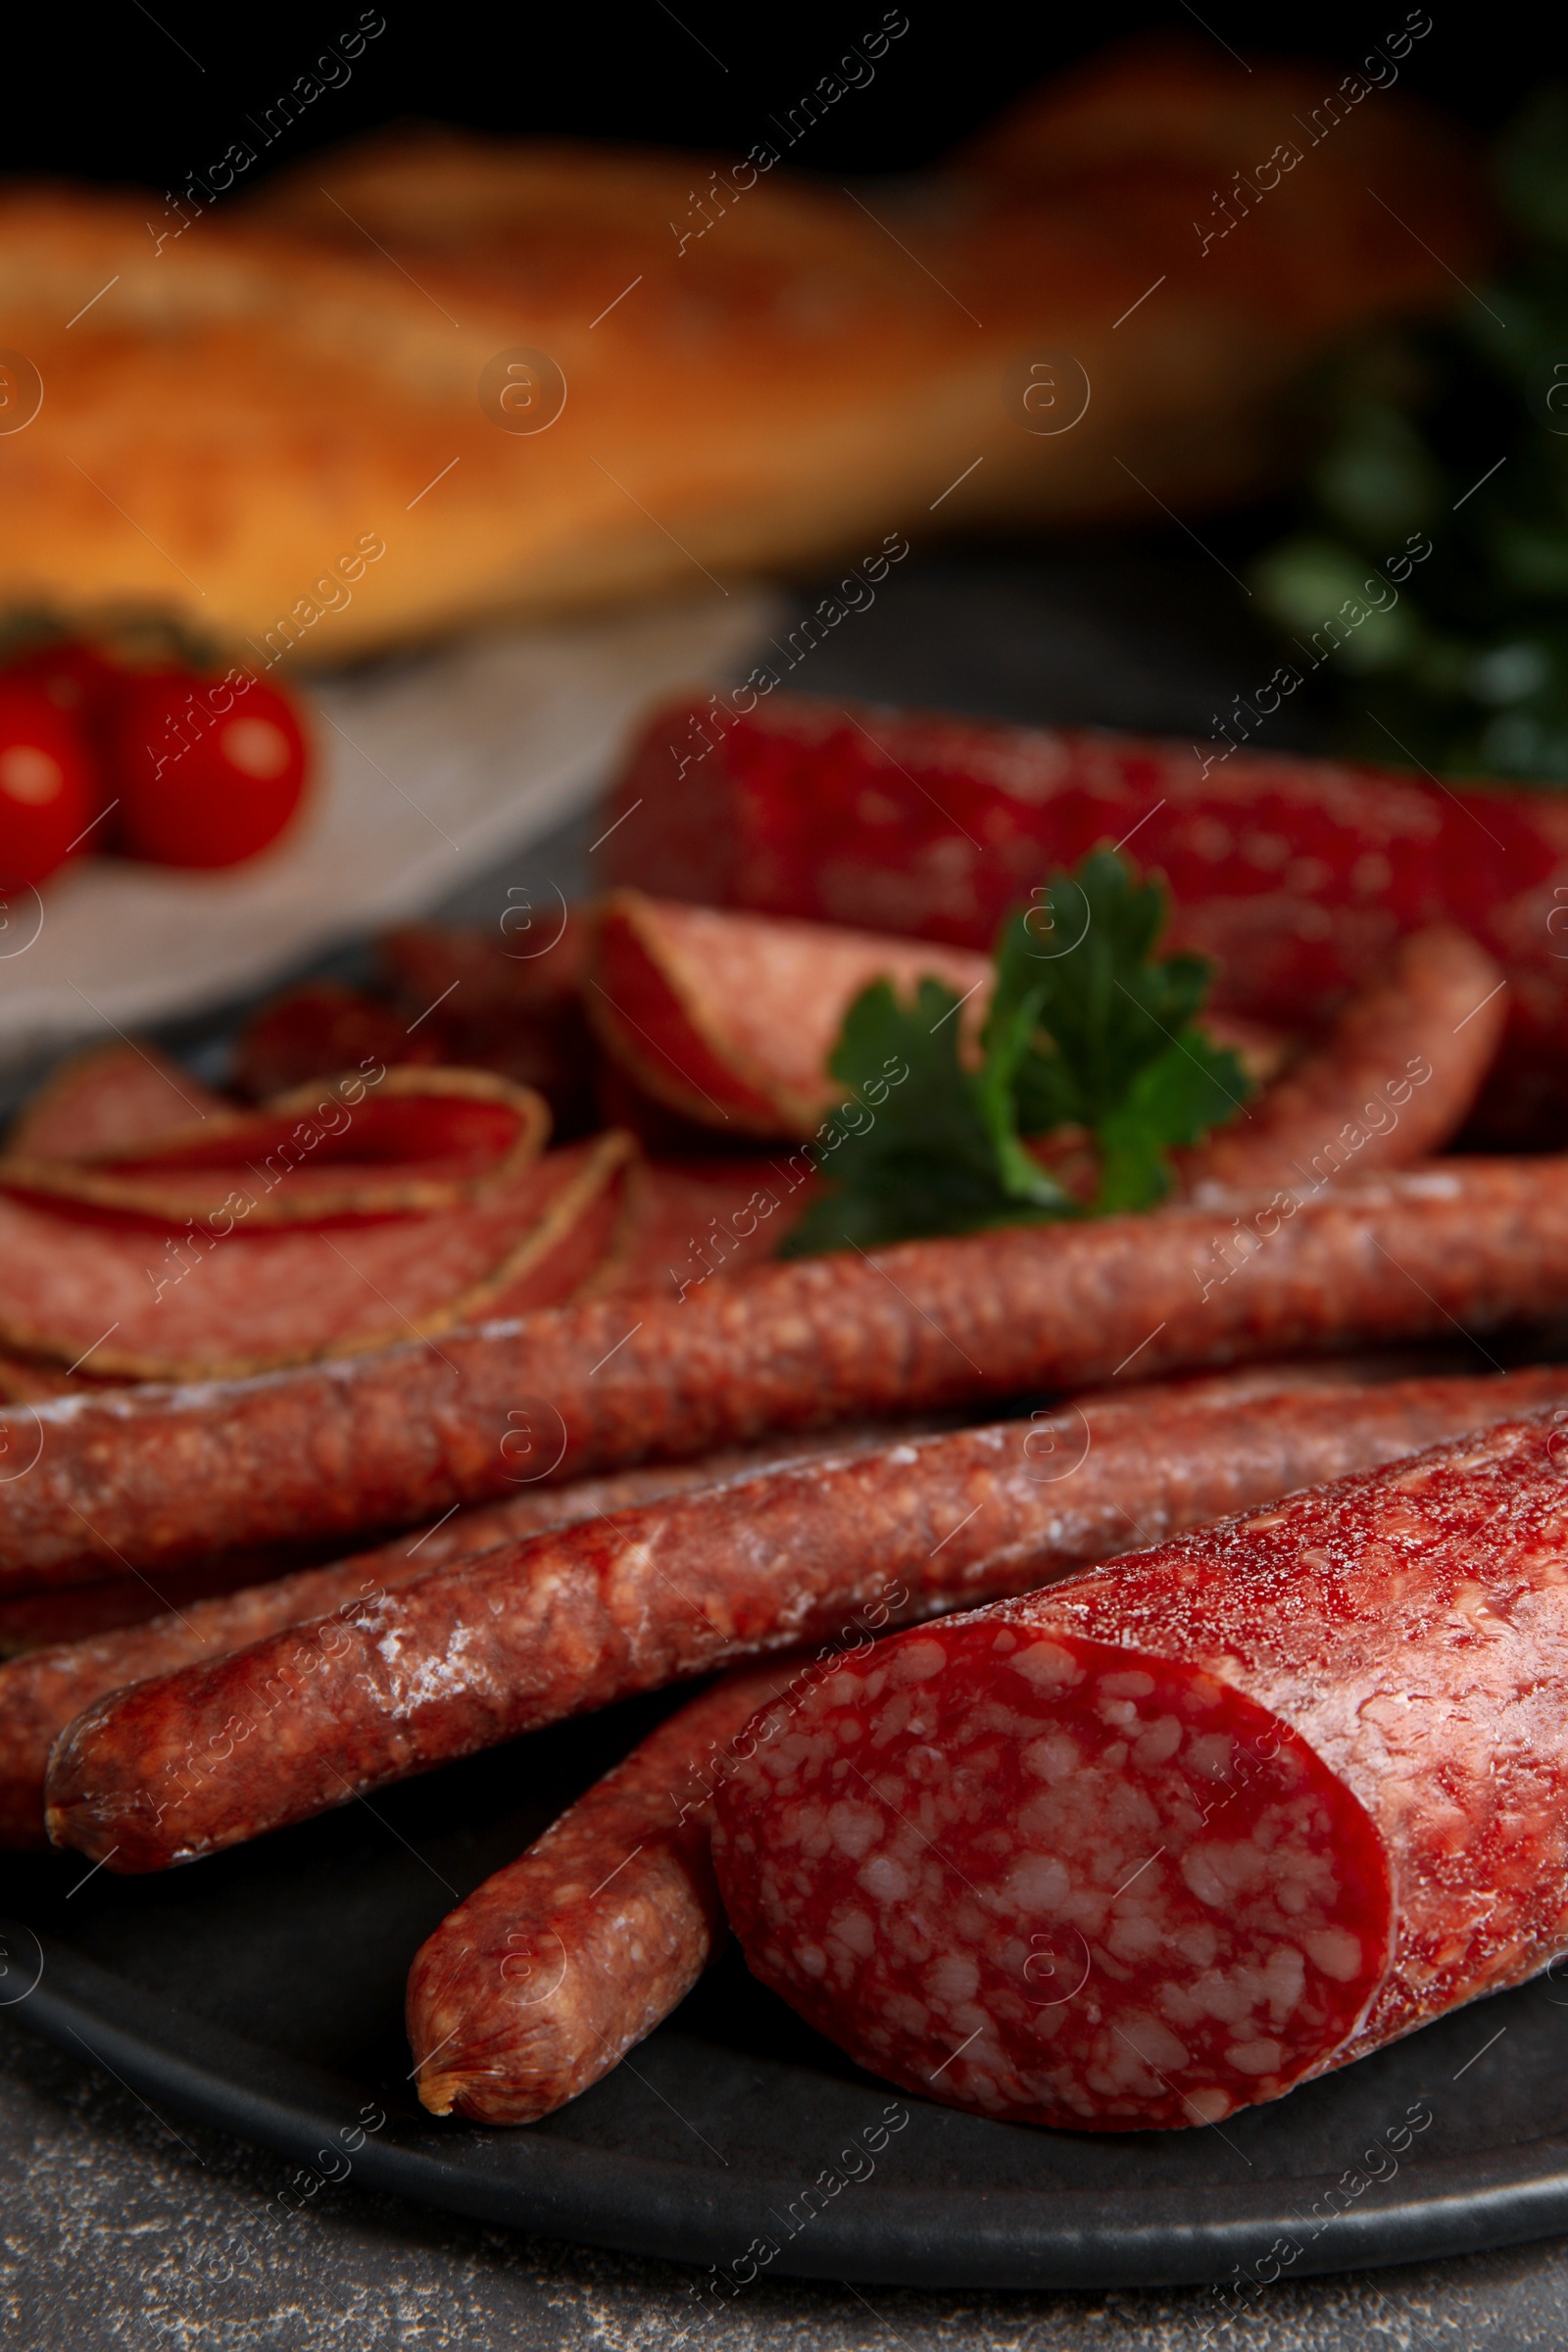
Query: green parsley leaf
1084	1031
912	1152
1185	1091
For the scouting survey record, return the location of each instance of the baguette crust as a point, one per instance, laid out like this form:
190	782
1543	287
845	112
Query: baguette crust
241	418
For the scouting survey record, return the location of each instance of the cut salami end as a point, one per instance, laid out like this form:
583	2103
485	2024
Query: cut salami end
1271	1795
1065	1884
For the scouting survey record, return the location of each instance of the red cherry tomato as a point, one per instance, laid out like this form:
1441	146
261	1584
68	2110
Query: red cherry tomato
82	683
77	678
208	772
47	785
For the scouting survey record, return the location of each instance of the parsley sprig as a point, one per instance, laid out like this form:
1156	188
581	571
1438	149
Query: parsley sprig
1087	1035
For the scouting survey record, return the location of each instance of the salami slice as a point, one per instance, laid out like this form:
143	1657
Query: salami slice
1170	1839
561	1963
730	1020
393	1143
686	1221
1391	1085
155	1476
108	1099
497	1644
120	1297
509	998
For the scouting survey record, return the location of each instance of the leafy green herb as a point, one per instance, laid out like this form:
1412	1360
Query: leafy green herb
1086	1033
1448	440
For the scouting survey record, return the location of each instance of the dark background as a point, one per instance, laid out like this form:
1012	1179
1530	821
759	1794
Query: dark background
151	92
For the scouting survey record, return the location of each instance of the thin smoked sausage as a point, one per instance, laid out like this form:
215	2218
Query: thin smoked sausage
501	1643
160	1474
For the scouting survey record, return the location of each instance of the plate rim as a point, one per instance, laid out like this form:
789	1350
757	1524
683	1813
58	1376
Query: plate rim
987	2240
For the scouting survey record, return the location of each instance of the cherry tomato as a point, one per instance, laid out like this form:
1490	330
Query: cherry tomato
77	678
84	683
47	785
209	770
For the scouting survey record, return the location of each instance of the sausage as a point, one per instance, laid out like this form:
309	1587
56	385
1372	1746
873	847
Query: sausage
1297	875
163	1475
561	1962
541	1981
1390	1086
1173	1838
521	1635
41	1692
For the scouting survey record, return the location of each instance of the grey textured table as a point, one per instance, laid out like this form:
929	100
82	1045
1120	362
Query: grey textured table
126	2228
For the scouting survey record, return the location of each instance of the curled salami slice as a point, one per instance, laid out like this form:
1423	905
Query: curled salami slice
396	1142
561	1963
59	1675
1173	1838
121	1298
497	1644
108	1099
1392	1084
157	1475
730	1020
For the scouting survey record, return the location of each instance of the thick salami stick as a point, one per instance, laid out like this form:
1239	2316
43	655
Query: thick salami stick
169	1474
42	1691
555	1967
1175	1838
1392	1084
521	1636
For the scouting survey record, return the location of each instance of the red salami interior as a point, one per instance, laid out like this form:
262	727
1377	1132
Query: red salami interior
1117	1893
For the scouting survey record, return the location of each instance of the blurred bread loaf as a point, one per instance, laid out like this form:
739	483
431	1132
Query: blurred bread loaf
291	424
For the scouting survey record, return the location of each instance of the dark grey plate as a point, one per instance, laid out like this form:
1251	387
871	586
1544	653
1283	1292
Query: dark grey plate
262	1991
